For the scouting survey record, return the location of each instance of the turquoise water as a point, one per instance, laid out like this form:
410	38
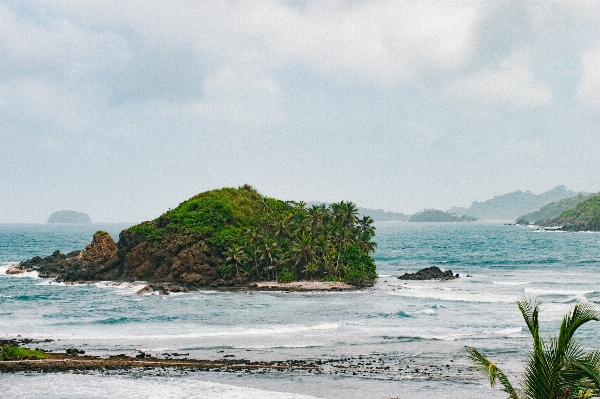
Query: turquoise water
405	324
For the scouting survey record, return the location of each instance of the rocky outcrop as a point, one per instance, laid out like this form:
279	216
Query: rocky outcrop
429	273
179	266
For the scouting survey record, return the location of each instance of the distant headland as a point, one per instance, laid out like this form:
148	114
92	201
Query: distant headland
69	217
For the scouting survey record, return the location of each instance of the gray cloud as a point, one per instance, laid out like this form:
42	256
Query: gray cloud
127	108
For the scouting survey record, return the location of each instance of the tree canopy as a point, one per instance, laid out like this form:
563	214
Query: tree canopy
261	238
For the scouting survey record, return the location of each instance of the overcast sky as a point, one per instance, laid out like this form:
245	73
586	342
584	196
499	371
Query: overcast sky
123	109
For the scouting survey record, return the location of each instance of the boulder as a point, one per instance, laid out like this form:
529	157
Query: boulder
429	273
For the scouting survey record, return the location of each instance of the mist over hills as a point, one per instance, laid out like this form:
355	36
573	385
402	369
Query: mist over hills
378	215
507	207
512	205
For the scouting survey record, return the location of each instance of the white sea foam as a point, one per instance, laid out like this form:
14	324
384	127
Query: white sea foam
122	287
511	282
538	291
508	331
5	267
55	283
449	294
275	330
71	386
292	346
266	331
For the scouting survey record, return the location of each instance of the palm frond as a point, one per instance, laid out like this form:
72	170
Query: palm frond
557	368
529	310
582	313
491	372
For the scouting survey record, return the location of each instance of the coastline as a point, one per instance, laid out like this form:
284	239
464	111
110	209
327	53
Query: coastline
302	285
165	288
389	367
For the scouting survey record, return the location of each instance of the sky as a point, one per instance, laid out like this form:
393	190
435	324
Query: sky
123	109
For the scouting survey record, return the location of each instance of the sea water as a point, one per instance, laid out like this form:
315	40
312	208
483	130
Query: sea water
425	325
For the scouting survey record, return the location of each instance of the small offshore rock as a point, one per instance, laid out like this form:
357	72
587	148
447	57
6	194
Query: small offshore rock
75	351
429	273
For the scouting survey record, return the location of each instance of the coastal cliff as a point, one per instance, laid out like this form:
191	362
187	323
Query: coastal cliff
226	237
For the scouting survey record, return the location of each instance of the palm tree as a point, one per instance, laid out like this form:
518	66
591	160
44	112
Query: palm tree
253	239
236	254
267	252
304	250
316	214
556	368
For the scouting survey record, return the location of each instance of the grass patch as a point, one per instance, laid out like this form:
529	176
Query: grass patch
10	352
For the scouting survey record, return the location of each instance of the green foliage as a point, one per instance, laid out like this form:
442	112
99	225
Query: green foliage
225	271
285	276
557	368
554	209
585	216
264	238
435	215
359	266
148	230
10	352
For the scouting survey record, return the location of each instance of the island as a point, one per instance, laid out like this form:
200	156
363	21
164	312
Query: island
583	217
69	217
435	215
229	237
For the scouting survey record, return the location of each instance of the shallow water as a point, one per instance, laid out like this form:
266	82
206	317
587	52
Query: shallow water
416	324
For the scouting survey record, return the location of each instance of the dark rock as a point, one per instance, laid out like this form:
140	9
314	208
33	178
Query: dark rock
75	351
429	273
174	268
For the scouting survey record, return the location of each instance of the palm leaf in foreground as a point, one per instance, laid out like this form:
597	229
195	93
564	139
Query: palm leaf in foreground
555	369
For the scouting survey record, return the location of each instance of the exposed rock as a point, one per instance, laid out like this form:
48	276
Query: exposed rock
162	289
14	269
174	268
429	273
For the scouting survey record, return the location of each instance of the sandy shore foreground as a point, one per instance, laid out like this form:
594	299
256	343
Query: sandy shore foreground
302	286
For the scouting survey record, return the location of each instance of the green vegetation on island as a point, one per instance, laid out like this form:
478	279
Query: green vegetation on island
557	368
69	217
552	210
259	238
15	352
436	215
584	217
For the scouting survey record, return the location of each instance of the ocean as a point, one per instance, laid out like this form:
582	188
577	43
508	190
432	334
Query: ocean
397	339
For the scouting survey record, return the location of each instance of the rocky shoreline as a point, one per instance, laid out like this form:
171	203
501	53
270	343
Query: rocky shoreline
162	272
378	365
302	286
166	289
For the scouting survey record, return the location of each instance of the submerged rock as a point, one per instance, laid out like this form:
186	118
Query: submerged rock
429	273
